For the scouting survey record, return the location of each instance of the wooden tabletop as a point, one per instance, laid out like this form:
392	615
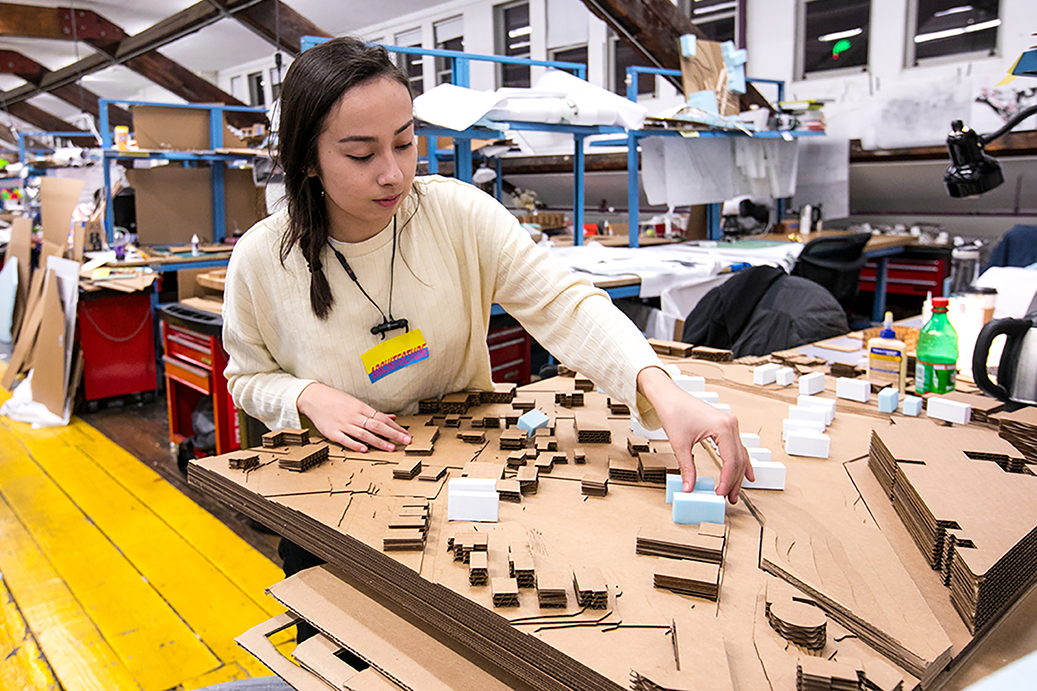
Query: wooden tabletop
877	241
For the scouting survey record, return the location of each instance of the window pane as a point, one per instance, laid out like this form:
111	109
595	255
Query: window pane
836	35
719	30
516	44
275	83
412	65
578	54
444	72
625	56
255	89
949	27
716	18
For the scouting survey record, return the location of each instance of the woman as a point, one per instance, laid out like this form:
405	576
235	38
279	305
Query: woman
365	253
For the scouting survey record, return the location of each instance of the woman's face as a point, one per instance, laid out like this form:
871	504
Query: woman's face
366	158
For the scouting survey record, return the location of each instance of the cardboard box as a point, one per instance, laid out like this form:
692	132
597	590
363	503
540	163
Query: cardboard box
173	203
178	129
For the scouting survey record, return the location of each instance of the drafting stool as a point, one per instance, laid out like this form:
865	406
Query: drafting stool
835	263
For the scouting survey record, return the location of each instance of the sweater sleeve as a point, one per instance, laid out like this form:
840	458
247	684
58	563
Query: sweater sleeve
572	319
257	383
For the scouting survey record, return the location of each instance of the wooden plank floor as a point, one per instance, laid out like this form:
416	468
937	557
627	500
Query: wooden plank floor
111	577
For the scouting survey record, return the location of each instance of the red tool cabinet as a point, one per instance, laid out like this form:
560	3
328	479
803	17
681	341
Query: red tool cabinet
194	362
117	337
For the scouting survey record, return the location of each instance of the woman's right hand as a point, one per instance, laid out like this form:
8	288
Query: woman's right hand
349	421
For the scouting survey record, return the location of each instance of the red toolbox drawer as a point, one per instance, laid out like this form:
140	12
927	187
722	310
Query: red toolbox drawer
908	276
509	354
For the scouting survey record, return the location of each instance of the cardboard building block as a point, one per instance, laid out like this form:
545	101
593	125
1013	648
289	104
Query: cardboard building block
806	443
759	455
810	384
675	483
722	406
532	420
808	413
769	475
689	383
789	426
889	400
765	374
950	411
912	406
691	508
826	404
472	499
651	434
853	389
707	396
785	376
750	440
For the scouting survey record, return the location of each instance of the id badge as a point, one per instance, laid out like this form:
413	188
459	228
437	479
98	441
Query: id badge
395	354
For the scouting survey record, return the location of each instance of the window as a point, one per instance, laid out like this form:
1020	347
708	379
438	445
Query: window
952	27
235	87
623	56
412	65
718	19
275	83
449	36
835	35
513	34
256	96
577	54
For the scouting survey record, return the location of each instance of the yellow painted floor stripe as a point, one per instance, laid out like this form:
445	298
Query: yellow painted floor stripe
22	665
150	638
181	575
75	649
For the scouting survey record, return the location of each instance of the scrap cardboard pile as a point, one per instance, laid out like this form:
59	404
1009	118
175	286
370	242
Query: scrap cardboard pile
561	591
44	312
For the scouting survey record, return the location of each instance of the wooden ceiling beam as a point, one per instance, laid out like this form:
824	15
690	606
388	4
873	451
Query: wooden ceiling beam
13	62
48	123
279	24
653	28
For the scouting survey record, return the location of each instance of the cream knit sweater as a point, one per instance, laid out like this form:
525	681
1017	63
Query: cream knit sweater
458	252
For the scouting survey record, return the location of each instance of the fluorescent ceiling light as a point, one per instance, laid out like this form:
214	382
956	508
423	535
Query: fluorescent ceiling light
715	8
953	10
516	46
982	26
838	35
522	31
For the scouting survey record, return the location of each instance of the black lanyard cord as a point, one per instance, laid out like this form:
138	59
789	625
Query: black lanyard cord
388	322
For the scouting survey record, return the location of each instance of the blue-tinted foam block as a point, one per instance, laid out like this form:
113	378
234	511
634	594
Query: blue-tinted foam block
675	483
912	406
889	399
688	47
692	508
532	421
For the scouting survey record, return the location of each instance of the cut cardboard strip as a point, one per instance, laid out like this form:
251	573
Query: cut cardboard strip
20	247
58	199
48	383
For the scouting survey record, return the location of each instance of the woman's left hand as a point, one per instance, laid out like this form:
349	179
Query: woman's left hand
688	421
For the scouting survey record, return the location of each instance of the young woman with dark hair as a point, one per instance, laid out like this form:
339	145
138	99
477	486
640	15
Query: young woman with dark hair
372	291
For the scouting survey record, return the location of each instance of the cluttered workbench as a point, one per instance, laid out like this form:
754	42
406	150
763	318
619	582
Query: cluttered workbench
888	560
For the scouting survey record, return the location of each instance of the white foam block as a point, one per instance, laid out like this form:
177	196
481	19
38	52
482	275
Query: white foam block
826	404
651	434
673	370
948	410
769	475
759	455
810	384
750	440
471	484
722	406
765	374
481	507
707	396
853	389
808	413
689	383
788	426
805	443
785	376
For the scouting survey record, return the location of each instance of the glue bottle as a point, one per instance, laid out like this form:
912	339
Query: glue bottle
194	245
887	357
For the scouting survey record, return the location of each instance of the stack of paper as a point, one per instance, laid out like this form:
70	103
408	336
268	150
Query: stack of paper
552	589
1020	429
591	591
688	578
705	545
594	483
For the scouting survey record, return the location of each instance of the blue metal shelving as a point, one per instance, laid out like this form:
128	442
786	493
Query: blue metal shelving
217	161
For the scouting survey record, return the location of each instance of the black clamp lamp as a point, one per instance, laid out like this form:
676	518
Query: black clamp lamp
972	171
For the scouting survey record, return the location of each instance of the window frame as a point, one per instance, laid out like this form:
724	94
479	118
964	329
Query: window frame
801	39
412	38
445	66
256	91
910	60
619	87
500	41
687	7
